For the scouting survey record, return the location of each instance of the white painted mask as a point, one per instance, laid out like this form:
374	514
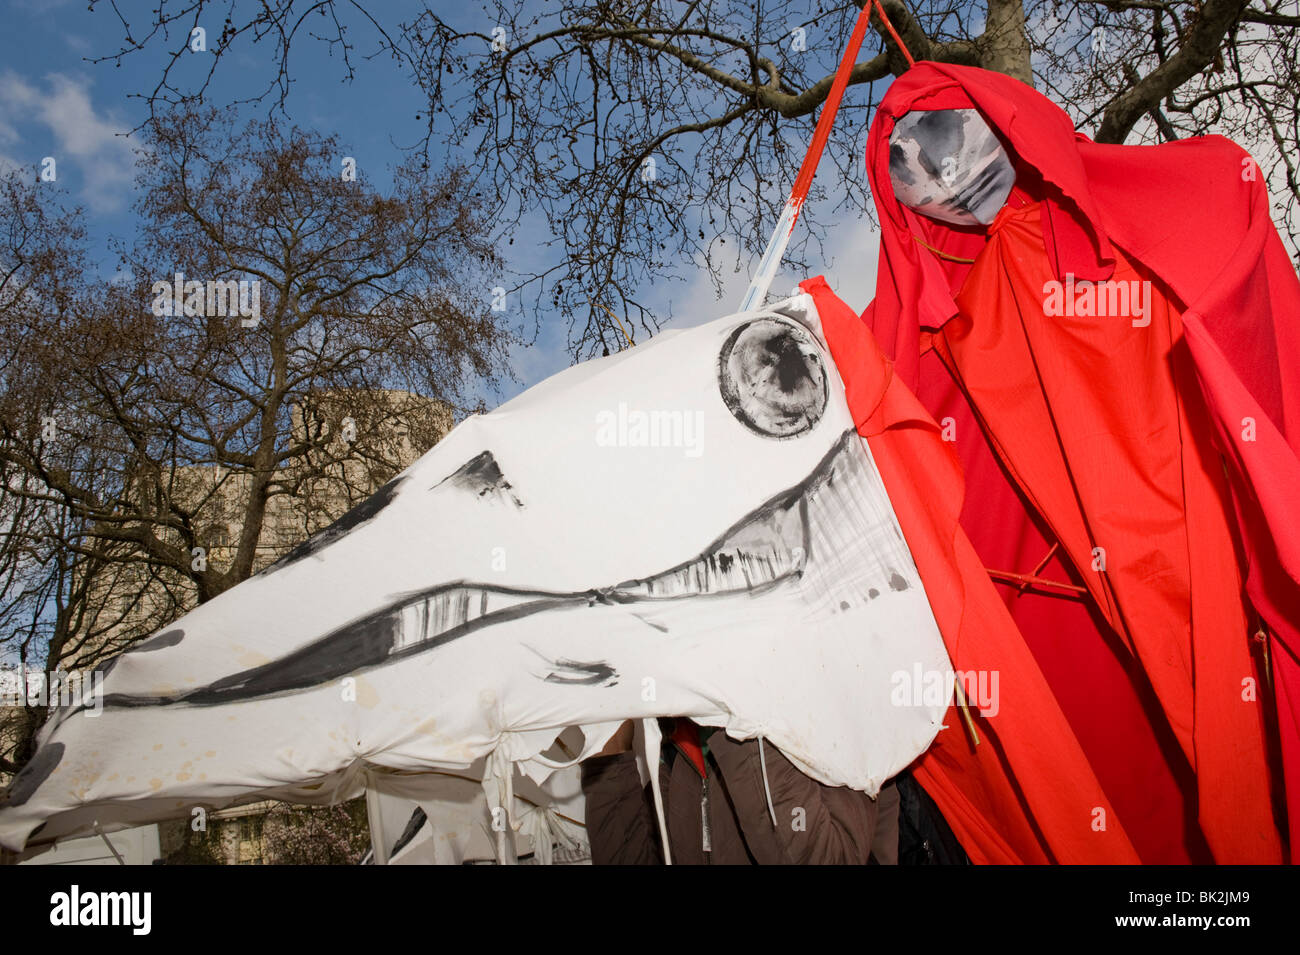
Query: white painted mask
948	164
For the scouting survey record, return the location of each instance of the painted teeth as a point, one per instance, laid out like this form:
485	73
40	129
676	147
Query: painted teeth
426	619
765	549
723	571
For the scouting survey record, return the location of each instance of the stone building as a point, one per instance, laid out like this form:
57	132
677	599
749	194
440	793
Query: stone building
361	440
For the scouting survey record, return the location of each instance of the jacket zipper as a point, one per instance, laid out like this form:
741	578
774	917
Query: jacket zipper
704	816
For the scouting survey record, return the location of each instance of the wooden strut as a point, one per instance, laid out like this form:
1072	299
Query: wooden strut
965	711
111	848
1041	564
1261	637
942	255
1029	580
611	314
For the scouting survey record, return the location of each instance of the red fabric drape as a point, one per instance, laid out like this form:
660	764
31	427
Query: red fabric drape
1088	415
1026	793
1099	685
1193	217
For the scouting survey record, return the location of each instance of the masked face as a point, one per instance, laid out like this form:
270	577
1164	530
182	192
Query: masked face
947	164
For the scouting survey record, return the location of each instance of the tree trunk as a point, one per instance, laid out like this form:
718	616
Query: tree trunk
1004	46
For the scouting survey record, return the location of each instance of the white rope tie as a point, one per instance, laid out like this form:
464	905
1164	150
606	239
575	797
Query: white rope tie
767	790
650	730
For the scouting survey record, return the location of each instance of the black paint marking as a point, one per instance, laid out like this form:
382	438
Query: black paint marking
364	641
33	774
163	640
940	133
598	673
357	646
413	826
378	638
482	477
990	186
897	581
772	378
363	513
899	167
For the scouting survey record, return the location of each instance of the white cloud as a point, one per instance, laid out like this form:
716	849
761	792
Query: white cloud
89	142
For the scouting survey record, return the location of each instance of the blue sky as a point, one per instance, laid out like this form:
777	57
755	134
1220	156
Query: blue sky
55	102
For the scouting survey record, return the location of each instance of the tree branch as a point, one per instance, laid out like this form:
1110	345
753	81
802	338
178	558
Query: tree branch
1200	45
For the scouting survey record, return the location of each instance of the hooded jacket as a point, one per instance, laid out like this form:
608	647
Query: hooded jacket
716	809
1155	670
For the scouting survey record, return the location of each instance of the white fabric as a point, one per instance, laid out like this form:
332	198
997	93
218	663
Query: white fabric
652	742
457	824
544	566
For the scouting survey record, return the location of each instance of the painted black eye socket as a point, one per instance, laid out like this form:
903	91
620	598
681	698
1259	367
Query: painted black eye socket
772	378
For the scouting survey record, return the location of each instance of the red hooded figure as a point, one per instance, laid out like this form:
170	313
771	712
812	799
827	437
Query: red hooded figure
1114	355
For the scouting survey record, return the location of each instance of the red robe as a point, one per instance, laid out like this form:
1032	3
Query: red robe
1025	792
1167	445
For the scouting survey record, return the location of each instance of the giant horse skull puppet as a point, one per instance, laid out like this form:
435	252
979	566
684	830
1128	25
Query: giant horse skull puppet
573	559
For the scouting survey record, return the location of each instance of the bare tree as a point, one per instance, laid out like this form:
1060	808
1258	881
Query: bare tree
54	581
285	332
316	835
320	286
649	134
